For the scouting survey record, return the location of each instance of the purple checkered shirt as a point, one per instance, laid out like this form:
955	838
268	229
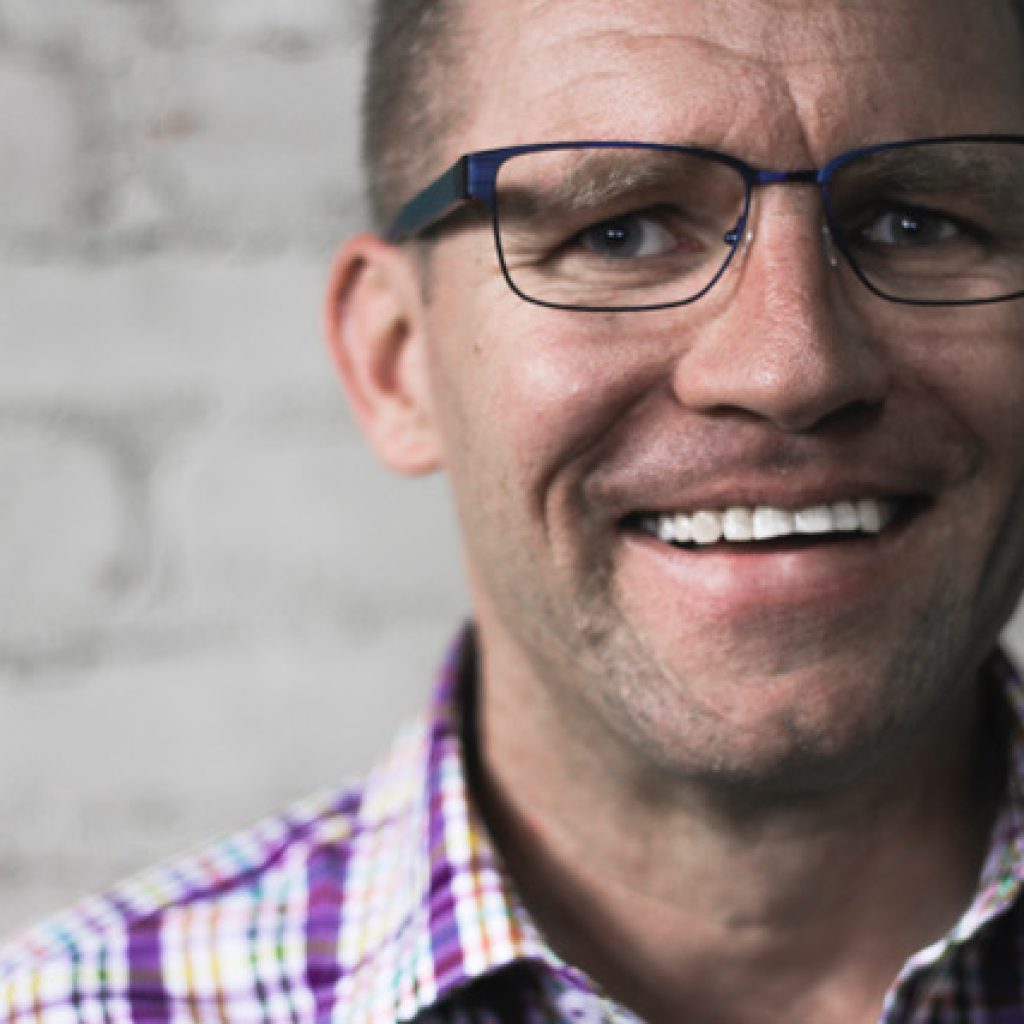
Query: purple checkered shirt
388	903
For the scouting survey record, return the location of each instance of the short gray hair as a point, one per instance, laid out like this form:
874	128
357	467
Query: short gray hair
408	98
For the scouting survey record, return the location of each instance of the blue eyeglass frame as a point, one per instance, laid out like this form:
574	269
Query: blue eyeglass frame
472	179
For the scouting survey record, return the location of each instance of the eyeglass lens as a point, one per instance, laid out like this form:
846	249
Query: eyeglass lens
630	228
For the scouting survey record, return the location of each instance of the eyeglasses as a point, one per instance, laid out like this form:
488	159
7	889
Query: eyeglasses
619	226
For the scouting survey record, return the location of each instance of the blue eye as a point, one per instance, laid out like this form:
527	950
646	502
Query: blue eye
633	236
906	228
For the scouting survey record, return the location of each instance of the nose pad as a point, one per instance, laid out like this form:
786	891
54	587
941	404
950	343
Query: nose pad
831	253
741	244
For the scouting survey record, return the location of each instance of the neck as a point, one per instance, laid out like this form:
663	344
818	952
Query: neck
741	910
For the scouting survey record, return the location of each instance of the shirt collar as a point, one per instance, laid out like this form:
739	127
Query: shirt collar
453	917
1002	875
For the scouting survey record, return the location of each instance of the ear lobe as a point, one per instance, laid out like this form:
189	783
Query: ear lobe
374	324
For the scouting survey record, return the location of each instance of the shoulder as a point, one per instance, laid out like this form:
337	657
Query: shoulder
230	924
243	866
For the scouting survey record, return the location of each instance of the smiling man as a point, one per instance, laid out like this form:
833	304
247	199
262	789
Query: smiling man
716	326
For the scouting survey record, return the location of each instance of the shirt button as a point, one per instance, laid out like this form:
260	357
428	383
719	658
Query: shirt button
580	1008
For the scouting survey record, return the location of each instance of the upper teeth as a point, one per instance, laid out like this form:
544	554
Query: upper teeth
763	522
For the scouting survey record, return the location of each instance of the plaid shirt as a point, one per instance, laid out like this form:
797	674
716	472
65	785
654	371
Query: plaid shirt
388	903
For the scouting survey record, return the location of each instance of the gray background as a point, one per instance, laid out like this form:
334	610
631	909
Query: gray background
211	599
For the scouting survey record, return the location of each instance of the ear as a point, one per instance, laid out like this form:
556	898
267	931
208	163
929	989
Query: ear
374	322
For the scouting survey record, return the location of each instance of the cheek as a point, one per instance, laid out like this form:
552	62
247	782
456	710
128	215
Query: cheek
967	364
974	372
981	382
525	391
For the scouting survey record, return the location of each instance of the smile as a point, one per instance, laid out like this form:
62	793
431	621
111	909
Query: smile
751	524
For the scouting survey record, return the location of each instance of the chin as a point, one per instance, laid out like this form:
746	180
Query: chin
788	723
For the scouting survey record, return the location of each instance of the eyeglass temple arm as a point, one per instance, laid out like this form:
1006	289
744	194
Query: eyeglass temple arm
440	198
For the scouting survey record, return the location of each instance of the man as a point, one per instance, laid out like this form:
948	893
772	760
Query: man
738	464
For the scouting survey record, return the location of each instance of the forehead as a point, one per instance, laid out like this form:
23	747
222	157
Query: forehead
772	80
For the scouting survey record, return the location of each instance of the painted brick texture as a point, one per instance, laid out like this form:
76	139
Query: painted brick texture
211	598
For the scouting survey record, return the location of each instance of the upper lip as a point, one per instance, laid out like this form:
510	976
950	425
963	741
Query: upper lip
715	469
788	495
791	487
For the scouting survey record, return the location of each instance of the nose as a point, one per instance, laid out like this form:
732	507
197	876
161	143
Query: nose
785	346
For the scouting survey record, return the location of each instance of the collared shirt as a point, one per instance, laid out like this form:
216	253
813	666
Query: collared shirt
389	903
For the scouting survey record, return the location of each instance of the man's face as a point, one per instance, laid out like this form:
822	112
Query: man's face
789	385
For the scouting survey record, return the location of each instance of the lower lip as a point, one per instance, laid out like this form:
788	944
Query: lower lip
728	578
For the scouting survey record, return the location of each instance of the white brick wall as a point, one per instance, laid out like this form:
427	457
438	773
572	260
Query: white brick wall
211	599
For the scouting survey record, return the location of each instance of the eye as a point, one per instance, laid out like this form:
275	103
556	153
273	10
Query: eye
628	237
908	227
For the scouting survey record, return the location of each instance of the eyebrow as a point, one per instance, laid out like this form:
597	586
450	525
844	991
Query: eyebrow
594	180
945	169
600	178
